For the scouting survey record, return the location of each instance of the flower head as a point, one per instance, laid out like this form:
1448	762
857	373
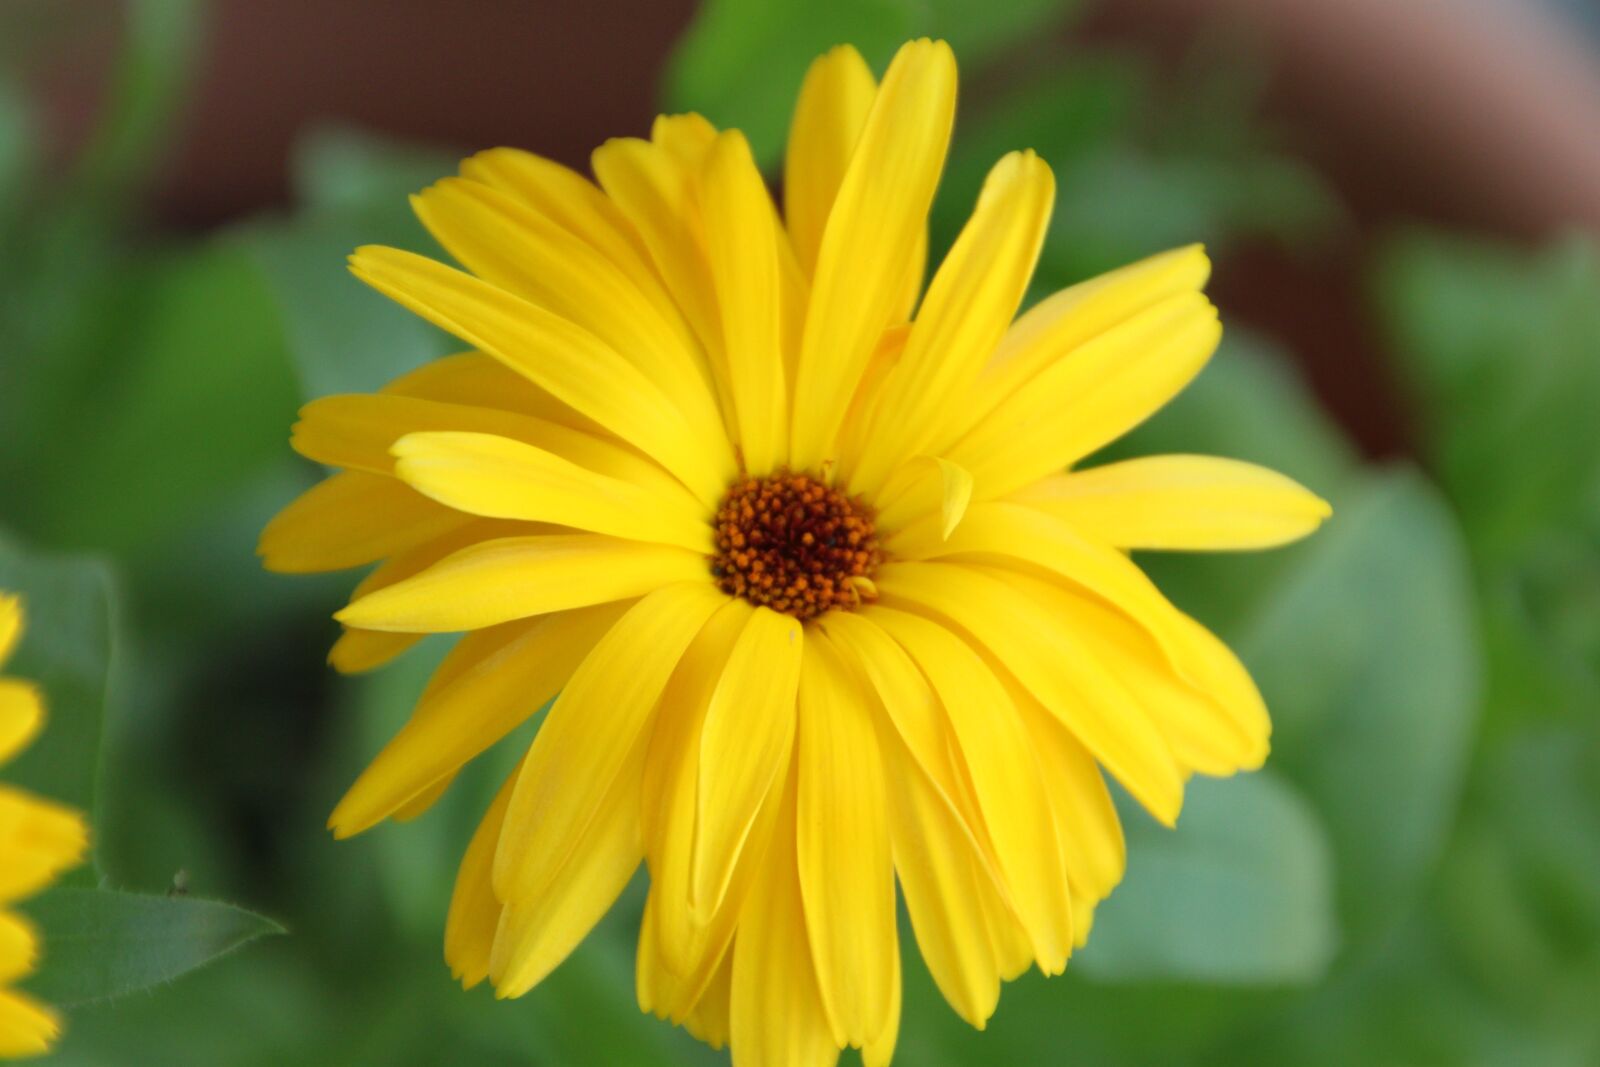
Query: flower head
38	840
798	552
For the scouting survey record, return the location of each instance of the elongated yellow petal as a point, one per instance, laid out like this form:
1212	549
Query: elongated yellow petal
1090	397
563	358
1210	731
967	310
1054	327
544	919
1005	772
590	732
506	243
571	201
944	887
39	840
497	679
927	486
500	478
27	1028
686	137
1186	503
1220	721
654	187
364	650
476	380
776	1017
744	744
741	241
1031	643
872	232
359	430
846	866
1086	819
671	782
517	577
474	914
709	1020
828	118
11	625
19	947
348	520
21	716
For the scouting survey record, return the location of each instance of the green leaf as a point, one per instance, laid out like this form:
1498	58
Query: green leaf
1367	655
1240	893
101	944
66	650
342	336
196	402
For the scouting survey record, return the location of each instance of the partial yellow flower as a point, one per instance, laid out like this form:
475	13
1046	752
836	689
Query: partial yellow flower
819	598
38	840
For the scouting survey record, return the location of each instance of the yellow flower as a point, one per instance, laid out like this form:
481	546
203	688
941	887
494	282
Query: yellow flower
38	840
818	607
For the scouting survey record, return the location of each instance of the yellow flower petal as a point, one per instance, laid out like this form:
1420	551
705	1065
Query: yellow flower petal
1030	642
742	241
563	358
10	625
473	379
928	485
590	732
998	754
358	431
846	867
21	716
1086	820
945	889
517	577
1204	733
1185	503
654	187
829	115
1091	396
39	839
1057	325
474	914
497	477
776	1018
872	231
744	744
350	519
967	310
27	1028
709	1021
570	200
546	916
497	678
19	947
520	250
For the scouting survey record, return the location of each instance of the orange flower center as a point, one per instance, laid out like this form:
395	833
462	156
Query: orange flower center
791	543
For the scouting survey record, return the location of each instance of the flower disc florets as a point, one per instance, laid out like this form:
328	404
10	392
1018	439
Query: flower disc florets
795	545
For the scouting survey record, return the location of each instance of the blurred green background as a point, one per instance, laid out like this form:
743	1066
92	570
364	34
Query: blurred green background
1413	880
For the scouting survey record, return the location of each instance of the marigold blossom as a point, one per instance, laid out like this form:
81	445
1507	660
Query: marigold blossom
38	840
799	553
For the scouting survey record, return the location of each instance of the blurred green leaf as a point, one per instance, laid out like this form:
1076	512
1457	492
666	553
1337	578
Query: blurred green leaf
102	944
196	402
1499	345
1240	893
342	336
66	650
1367	655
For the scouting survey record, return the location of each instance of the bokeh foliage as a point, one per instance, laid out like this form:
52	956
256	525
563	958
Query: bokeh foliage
1414	879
